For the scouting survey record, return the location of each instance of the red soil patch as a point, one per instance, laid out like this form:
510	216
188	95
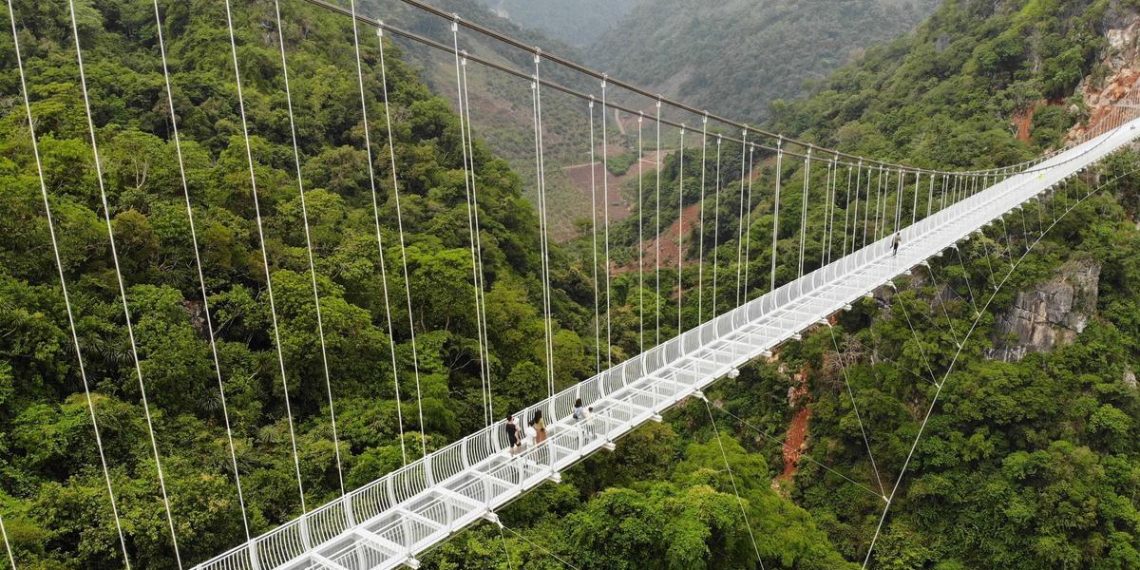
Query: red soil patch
795	443
670	250
1023	120
619	207
668	240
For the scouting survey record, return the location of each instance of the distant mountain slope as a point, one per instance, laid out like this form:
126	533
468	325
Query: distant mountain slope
501	105
736	56
974	77
576	22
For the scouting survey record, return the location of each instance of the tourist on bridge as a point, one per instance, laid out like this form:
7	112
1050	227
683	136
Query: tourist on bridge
579	410
539	427
588	420
895	244
513	434
531	434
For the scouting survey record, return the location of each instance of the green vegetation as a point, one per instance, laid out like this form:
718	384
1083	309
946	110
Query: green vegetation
1033	464
735	57
51	487
52	494
947	94
620	164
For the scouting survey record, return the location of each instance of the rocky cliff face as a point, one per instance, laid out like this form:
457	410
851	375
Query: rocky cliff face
1113	91
1049	315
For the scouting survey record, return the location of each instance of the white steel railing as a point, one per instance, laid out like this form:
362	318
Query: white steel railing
387	522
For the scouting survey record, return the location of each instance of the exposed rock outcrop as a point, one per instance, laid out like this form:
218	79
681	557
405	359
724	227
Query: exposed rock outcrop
1049	315
1104	94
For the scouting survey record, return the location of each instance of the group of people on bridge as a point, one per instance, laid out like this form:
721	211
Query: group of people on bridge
535	431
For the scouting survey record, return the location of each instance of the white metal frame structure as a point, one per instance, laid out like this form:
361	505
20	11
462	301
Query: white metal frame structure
386	523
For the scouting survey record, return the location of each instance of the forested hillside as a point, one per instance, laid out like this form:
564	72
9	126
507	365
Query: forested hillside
55	504
52	494
736	57
501	106
1027	464
576	22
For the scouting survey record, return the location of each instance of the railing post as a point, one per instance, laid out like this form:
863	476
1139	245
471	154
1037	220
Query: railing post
428	479
389	486
254	559
349	515
306	540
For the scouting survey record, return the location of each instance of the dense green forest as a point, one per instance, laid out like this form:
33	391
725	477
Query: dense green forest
54	500
1029	464
736	57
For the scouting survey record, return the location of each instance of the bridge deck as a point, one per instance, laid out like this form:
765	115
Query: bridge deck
386	523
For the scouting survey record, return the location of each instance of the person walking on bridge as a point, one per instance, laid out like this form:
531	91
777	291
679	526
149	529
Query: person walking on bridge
539	427
512	434
895	244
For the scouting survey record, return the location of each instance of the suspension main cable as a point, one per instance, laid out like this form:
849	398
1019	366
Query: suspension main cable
524	46
201	275
420	39
380	246
308	245
122	286
63	287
